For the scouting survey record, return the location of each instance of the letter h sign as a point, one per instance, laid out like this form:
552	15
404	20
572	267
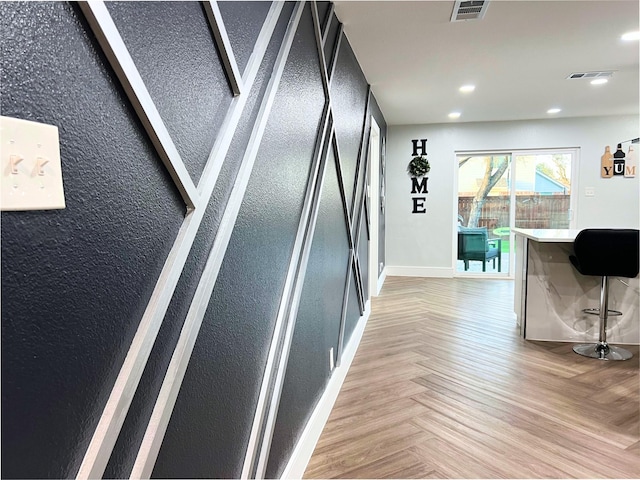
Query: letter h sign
422	147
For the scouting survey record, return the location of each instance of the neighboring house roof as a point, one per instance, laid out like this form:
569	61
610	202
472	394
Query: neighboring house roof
546	184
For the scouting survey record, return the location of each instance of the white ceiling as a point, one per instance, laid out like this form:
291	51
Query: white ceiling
518	57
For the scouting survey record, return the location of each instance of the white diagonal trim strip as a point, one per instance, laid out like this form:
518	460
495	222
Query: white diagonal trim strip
115	411
165	402
362	157
345	304
329	18
352	260
224	46
359	204
336	50
254	436
319	47
343	193
121	61
269	382
291	302
221	145
273	380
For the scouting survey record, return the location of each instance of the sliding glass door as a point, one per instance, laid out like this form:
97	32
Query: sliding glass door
543	189
484	205
498	191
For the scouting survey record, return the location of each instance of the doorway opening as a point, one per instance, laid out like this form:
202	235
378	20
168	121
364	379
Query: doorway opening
373	192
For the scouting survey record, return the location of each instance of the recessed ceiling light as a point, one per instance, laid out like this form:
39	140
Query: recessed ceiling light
599	81
554	110
629	36
467	88
454	115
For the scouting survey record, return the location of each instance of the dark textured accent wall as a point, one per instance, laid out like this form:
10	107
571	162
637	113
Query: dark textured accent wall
243	21
323	9
308	369
349	101
332	38
317	324
75	282
353	309
238	324
173	47
130	438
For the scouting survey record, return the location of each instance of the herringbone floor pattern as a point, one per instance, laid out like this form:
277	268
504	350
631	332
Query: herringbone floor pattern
442	386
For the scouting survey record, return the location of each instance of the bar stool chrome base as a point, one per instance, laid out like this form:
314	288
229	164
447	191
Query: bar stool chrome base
602	351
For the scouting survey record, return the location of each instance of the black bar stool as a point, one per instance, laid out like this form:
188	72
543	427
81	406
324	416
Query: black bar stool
606	253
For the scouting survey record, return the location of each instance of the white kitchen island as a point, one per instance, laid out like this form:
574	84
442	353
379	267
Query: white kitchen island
550	294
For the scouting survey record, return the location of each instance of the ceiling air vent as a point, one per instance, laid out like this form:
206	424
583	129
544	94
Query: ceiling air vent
469	10
602	74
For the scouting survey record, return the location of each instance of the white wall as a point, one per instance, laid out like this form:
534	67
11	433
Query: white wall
424	242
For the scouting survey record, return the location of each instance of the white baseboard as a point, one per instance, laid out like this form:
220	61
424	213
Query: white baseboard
304	448
381	279
438	272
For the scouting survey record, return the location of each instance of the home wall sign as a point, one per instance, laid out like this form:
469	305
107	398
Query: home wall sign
418	168
618	164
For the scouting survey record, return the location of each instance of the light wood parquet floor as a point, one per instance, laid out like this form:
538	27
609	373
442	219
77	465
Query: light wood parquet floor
442	386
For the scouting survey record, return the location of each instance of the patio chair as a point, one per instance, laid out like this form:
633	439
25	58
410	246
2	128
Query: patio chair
474	244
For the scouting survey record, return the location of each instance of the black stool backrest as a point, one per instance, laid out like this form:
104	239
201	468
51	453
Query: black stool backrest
607	252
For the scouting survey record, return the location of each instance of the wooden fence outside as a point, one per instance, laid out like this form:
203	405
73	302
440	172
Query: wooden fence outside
532	211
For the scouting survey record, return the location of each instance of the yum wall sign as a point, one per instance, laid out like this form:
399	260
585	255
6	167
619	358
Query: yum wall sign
619	163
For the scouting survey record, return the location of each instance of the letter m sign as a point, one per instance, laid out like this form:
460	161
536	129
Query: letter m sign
419	187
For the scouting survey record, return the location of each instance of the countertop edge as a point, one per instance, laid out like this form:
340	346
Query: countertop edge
547	235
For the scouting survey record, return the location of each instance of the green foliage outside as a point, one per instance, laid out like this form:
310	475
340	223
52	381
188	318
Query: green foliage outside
503	232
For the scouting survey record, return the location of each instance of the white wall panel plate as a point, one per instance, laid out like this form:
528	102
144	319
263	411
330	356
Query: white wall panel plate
30	166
